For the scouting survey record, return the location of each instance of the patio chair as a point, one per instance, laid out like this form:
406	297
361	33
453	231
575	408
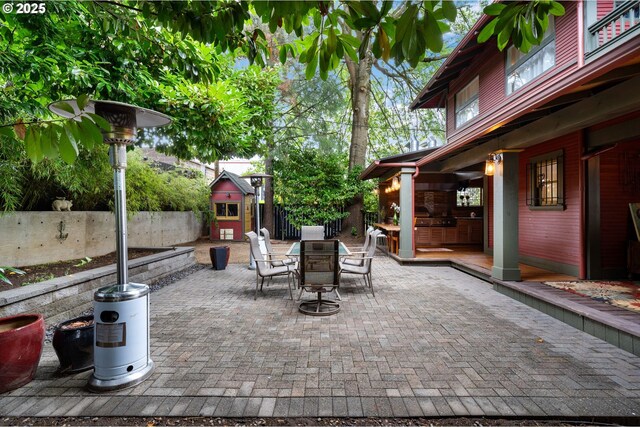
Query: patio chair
277	259
318	272
357	256
363	269
312	232
264	268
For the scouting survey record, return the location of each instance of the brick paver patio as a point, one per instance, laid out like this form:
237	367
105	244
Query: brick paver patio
434	342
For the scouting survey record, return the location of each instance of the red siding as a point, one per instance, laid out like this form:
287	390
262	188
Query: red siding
553	235
614	205
604	7
490	66
567	35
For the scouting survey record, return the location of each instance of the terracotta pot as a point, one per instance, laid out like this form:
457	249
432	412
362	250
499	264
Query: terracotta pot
73	343
21	339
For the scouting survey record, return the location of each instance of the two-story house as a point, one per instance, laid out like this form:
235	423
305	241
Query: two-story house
557	131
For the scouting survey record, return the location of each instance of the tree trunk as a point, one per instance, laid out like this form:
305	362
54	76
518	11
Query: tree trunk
360	85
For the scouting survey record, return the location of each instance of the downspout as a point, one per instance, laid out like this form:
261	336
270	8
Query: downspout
582	239
413	208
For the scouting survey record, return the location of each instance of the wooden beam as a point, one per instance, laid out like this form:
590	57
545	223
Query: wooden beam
619	132
608	104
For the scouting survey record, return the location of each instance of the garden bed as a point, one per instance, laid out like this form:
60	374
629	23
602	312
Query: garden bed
65	297
40	273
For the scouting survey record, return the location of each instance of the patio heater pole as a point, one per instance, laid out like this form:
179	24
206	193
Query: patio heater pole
118	160
122	353
256	183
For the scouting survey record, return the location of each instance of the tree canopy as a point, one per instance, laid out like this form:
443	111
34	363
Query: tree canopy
117	50
85	48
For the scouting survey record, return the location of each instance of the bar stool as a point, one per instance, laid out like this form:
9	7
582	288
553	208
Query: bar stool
381	239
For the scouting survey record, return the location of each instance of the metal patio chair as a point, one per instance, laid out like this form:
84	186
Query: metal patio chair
264	269
357	256
318	273
277	259
312	232
363	269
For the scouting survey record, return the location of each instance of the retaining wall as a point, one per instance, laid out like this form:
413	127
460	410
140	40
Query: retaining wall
31	238
66	297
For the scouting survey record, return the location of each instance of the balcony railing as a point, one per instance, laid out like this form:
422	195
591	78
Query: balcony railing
610	29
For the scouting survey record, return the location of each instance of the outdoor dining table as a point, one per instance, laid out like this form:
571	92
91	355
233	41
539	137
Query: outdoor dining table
294	250
393	235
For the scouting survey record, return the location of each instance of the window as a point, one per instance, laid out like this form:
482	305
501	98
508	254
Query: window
227	210
545	181
522	68
467	103
471	196
627	15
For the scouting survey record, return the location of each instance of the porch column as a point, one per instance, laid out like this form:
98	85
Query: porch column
505	218
406	213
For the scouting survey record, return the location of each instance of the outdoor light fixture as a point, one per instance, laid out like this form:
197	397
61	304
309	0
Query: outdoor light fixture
491	163
256	183
393	186
122	356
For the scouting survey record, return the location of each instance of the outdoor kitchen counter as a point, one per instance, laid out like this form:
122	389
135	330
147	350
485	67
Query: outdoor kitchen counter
467	230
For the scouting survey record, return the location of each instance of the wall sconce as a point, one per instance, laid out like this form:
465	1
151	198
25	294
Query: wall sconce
228	195
491	163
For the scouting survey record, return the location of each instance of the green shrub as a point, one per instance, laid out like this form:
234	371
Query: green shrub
89	183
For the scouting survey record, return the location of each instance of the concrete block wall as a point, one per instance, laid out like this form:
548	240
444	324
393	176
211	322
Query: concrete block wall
30	238
66	297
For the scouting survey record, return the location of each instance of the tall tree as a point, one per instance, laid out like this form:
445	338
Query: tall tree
402	32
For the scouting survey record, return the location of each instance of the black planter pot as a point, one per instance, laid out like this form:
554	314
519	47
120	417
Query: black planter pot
74	345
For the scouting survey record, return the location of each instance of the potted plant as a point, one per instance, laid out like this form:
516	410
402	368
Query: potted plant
73	343
21	339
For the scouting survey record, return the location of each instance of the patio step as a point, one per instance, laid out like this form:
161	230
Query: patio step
612	324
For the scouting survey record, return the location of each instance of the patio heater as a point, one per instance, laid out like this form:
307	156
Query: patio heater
256	182
122	356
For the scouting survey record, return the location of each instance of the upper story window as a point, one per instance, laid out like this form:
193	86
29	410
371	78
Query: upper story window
522	68
545	176
467	103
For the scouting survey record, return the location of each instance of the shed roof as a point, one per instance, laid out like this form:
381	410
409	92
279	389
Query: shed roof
243	185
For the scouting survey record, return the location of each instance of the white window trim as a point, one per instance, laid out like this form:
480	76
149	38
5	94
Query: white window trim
509	69
472	99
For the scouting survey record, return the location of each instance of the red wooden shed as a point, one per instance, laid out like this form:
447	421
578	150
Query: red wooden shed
231	201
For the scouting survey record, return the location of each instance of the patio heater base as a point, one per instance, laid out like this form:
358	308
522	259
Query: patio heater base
98	385
319	307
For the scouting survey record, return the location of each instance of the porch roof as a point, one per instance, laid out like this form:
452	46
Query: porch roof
381	167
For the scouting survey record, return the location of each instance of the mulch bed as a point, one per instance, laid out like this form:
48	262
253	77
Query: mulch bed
42	272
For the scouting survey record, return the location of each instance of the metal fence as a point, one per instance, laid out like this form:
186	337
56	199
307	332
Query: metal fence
284	230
